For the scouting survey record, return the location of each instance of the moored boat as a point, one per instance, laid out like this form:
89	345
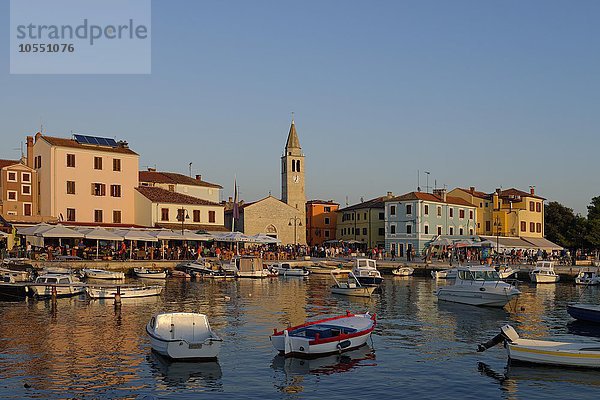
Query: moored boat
444	274
325	336
589	278
285	269
62	284
182	335
584	312
478	286
102	274
126	292
543	272
505	271
403	271
148	273
351	287
571	354
251	267
366	271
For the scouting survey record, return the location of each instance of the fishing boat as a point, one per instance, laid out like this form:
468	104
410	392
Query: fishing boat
366	271
148	273
102	274
351	287
251	267
444	274
64	285
126	292
325	336
589	278
403	271
505	271
584	312
478	286
571	354
543	272
12	276
182	335
285	269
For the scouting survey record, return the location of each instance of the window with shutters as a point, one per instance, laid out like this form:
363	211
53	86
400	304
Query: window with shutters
71	214
98	189
97	215
71	160
115	190
70	187
97	162
116	164
196	215
211	216
116	216
164	214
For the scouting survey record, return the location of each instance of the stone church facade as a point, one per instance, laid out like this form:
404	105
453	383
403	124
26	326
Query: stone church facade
283	219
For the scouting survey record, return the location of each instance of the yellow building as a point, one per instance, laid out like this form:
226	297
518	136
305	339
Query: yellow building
510	212
87	180
363	222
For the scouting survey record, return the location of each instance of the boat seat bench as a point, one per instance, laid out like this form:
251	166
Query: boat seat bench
324	331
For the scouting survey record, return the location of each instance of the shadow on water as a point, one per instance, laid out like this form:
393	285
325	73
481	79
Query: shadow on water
186	374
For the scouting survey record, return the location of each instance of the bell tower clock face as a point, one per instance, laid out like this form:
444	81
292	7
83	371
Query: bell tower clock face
296	178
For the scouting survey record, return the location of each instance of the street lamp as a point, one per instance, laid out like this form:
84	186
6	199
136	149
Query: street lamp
498	226
182	215
297	222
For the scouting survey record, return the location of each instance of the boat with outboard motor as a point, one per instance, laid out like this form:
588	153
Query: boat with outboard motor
126	292
325	336
505	271
403	271
365	271
183	336
571	354
351	287
479	286
589	278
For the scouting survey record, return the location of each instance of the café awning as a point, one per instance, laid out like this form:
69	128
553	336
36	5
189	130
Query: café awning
542	243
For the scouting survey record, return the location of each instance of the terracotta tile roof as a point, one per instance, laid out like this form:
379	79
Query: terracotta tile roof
62	142
158	195
333	203
193	227
519	193
173	178
378	202
433	198
476	193
7	163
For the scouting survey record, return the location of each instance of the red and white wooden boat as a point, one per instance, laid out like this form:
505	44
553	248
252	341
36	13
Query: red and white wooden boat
325	336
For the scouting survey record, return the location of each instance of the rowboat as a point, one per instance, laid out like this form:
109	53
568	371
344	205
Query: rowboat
589	278
102	274
403	271
325	336
584	312
505	271
351	287
124	291
478	286
583	354
148	273
182	335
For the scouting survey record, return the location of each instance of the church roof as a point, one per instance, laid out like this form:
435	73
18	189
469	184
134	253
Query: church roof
292	140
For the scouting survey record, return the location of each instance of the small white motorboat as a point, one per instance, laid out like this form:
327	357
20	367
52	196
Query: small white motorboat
543	272
444	274
505	271
102	274
366	271
570	354
403	271
325	336
11	276
478	286
351	287
589	278
126	292
148	273
64	285
251	267
285	269
183	336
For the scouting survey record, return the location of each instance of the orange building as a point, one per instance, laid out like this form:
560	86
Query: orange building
321	219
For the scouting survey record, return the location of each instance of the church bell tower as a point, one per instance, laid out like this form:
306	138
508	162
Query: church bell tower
292	173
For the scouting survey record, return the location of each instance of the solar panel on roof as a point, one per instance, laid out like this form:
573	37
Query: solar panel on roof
97	141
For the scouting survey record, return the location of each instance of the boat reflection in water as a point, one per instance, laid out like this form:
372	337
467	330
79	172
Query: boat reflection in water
182	374
583	328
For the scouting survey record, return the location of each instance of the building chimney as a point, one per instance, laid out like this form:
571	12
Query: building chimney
496	199
198	177
390	194
150	169
230	200
472	189
441	193
38	135
29	162
532	190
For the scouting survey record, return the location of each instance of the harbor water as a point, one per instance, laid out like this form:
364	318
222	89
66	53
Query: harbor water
77	348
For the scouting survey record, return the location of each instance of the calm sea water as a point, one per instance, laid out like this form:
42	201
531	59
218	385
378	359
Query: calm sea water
420	349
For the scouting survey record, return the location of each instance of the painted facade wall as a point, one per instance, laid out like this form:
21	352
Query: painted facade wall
366	225
54	175
321	221
411	224
19	193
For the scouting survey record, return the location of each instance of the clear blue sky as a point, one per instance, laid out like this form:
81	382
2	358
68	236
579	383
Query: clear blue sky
479	93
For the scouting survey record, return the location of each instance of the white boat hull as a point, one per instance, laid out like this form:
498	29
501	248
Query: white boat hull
555	353
43	290
537	278
292	272
181	349
125	292
405	271
102	274
149	274
475	298
445	274
364	291
253	274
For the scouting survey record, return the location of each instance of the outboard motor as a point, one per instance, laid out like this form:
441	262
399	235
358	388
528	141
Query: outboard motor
507	333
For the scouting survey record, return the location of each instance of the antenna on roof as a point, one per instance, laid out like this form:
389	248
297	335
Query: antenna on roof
292	117
190	170
418	181
346	200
